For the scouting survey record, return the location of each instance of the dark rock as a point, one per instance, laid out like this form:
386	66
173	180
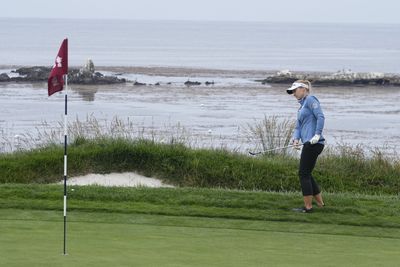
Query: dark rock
157	84
136	83
34	74
4	77
75	76
89	67
341	78
209	83
98	74
279	79
190	83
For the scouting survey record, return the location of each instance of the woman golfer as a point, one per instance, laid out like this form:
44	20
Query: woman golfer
308	131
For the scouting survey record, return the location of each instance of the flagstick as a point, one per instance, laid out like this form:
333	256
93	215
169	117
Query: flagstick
65	165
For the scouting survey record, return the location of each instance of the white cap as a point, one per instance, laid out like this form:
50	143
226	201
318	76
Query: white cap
296	85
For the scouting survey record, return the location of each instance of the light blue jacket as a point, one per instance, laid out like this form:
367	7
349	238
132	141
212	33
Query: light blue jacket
310	120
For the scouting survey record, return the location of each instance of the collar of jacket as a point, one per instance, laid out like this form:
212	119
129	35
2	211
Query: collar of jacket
301	101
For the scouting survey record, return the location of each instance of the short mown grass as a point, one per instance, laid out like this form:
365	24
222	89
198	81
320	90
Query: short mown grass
341	209
34	238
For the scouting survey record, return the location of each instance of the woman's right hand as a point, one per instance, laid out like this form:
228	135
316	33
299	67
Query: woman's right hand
296	144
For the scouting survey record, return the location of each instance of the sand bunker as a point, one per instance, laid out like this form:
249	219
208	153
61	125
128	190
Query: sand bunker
127	179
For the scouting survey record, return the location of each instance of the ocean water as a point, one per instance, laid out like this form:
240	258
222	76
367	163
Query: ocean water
225	45
218	114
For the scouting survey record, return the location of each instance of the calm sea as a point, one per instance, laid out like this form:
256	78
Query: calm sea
226	45
216	114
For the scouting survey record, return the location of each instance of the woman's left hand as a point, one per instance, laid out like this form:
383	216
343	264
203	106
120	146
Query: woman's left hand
315	139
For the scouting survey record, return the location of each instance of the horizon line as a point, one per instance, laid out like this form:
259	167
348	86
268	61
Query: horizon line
211	20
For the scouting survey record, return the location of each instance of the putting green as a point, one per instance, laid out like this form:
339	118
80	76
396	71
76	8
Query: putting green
37	242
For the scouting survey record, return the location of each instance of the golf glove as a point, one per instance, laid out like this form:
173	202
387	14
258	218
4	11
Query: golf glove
315	139
296	144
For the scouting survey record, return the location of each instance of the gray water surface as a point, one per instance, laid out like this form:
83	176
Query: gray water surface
224	45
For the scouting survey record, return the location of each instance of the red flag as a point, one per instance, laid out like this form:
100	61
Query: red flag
55	82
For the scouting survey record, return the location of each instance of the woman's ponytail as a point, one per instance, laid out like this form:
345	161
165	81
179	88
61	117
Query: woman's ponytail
306	82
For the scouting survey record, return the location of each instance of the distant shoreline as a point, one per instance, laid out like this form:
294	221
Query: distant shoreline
171	70
165	70
318	78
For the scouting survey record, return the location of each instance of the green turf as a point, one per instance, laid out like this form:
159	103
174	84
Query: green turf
342	209
194	227
34	238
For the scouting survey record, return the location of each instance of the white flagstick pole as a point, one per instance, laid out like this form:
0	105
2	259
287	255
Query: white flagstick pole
65	164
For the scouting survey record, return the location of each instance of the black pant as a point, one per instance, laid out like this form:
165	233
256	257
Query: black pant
308	158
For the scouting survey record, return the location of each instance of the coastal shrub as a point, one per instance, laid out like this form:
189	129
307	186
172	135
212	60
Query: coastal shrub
271	133
211	168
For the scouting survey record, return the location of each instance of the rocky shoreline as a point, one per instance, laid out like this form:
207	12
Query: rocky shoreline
88	76
75	76
85	75
340	78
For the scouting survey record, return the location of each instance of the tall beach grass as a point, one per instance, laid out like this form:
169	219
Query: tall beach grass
212	168
122	146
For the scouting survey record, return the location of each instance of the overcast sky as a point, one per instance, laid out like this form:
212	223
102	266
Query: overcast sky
347	11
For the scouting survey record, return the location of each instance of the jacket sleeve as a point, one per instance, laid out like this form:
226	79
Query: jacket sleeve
296	133
316	109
